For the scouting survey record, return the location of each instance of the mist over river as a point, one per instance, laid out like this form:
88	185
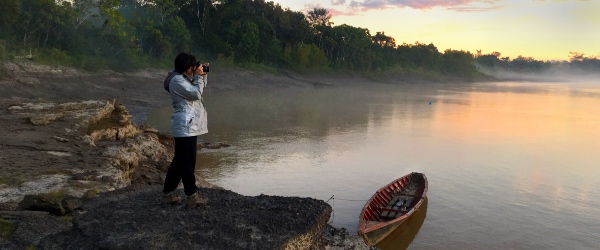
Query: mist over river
510	164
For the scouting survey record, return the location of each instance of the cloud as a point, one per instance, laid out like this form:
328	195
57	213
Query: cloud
458	5
357	7
472	9
332	11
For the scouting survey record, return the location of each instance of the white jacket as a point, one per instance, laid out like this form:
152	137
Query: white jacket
189	117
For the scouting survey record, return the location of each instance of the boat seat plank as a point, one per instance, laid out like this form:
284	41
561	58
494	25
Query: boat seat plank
404	195
391	209
390	205
396	207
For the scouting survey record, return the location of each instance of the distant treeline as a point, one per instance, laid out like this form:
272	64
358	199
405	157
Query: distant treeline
578	63
133	34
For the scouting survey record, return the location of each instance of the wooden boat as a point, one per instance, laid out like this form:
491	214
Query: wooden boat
390	206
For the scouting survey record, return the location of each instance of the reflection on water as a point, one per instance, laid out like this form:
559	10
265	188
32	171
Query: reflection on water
510	165
404	235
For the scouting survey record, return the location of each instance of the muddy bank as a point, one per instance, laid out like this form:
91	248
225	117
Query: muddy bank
66	162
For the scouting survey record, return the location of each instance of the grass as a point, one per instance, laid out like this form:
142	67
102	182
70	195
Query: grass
84	185
12	180
58	194
67	218
2	70
52	57
259	68
4	180
7	228
91	193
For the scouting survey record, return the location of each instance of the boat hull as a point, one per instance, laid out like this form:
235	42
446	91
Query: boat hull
373	237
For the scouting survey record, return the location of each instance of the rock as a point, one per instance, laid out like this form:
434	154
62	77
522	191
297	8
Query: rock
88	140
142	156
85	176
113	123
71	203
340	239
150	130
60	139
132	218
33	226
7	245
44	184
15	108
61	154
55	203
42	202
45	119
121	114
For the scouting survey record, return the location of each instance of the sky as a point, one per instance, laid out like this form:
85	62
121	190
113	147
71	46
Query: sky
542	29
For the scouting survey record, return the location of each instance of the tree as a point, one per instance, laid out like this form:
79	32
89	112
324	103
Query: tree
9	12
319	17
384	41
490	61
304	56
201	9
576	56
177	33
42	21
354	51
458	63
419	55
83	11
246	42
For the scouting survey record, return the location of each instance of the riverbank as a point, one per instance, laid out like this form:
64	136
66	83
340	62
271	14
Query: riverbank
74	147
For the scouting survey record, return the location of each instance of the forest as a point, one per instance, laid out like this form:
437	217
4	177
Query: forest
133	34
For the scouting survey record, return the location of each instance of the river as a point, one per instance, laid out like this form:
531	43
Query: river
509	164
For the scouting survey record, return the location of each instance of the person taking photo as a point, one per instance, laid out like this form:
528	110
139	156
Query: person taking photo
189	120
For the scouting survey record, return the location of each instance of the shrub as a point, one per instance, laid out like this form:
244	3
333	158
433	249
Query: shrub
2	50
53	57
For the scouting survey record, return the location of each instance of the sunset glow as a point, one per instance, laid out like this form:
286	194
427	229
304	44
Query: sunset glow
544	30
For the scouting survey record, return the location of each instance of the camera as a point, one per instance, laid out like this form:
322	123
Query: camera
204	67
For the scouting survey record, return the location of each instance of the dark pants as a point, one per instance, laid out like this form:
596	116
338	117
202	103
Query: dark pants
183	166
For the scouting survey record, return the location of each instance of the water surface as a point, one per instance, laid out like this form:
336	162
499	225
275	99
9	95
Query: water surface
510	165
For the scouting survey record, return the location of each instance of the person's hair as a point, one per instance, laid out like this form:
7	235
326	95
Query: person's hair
184	61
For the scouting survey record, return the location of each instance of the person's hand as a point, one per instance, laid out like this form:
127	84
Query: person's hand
199	71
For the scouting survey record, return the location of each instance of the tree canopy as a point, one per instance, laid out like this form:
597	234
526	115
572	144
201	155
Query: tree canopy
129	34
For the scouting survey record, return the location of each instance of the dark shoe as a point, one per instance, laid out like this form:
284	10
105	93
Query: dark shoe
195	200
170	199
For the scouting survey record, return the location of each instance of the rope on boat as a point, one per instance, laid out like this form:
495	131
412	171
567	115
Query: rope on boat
332	211
333	198
351	200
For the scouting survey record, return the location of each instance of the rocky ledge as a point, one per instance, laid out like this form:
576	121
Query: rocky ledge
74	148
132	218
